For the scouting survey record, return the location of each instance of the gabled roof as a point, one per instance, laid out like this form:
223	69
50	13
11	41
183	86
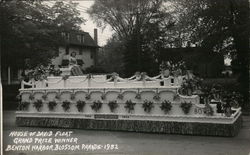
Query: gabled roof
80	38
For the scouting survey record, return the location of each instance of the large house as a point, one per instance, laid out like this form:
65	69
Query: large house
80	42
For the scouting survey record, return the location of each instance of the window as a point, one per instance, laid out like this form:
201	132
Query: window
65	62
67	50
82	38
80	51
80	62
63	34
67	36
92	54
161	83
79	38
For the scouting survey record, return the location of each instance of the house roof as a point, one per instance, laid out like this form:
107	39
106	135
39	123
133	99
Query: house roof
79	38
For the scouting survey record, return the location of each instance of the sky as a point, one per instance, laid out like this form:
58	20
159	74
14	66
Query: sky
83	5
103	35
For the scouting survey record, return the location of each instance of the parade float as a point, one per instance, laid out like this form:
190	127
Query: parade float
160	104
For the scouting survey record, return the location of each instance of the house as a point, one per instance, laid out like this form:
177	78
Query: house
80	42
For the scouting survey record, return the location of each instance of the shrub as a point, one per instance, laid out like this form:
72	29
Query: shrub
185	106
80	105
38	104
51	105
112	105
65	105
129	105
96	105
166	106
147	106
23	106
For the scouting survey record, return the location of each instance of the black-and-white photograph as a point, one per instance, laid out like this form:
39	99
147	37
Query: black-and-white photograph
125	77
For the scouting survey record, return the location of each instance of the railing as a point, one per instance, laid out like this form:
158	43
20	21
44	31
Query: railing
95	81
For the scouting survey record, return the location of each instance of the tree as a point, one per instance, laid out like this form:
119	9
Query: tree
222	26
32	29
133	22
110	56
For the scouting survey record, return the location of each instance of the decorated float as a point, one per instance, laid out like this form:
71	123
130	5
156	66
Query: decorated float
160	104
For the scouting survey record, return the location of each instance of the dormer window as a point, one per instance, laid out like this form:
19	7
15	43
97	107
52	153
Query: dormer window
80	38
63	34
67	36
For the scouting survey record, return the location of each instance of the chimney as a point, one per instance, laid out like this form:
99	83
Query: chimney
95	36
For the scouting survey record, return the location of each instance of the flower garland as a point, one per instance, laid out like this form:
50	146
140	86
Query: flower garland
53	71
120	96
190	86
129	106
19	97
80	105
176	97
88	96
227	102
112	105
96	105
65	77
114	75
138	96
208	110
23	106
227	110
185	106
143	76
51	105
44	96
236	99
39	73
103	96
157	97
147	106
66	105
58	96
166	106
89	76
72	96
38	104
